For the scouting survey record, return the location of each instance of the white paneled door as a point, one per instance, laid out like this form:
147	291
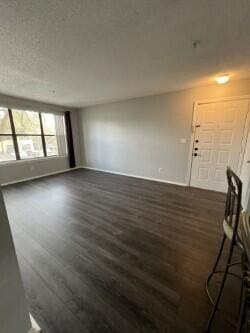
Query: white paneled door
218	142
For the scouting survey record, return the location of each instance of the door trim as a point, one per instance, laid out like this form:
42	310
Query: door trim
194	116
222	99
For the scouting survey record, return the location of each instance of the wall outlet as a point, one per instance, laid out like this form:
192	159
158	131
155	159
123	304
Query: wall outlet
160	169
183	140
32	168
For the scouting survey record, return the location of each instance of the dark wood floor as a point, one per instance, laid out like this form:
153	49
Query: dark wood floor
107	253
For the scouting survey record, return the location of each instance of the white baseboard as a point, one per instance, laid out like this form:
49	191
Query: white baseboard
96	169
40	176
35	328
135	176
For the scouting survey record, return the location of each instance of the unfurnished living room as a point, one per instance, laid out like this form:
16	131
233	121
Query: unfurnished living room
125	166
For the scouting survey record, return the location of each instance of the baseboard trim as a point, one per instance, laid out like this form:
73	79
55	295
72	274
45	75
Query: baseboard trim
95	169
35	328
135	176
40	176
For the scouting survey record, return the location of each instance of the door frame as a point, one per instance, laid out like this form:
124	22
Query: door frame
194	117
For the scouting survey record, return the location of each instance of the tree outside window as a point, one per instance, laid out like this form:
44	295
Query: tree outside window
29	134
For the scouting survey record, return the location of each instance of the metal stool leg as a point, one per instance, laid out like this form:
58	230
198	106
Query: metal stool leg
219	254
215	267
242	316
215	308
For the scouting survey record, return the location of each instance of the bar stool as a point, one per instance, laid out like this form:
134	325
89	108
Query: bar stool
231	233
244	317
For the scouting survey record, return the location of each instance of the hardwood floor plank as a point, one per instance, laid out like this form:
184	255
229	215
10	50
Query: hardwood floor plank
70	289
46	307
128	297
116	254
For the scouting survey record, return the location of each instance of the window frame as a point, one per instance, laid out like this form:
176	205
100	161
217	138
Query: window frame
14	137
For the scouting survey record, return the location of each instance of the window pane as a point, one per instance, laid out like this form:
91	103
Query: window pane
4	121
7	152
30	146
49	126
26	122
51	145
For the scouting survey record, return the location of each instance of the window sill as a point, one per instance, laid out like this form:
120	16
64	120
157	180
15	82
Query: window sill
32	160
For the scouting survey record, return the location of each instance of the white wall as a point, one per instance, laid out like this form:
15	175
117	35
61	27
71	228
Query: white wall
19	170
13	308
245	176
13	171
141	135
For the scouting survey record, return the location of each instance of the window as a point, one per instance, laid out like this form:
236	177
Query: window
49	129
29	134
7	151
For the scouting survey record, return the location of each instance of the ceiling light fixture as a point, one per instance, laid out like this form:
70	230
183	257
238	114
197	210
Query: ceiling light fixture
222	79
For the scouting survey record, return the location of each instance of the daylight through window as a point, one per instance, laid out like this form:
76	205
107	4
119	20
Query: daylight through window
30	134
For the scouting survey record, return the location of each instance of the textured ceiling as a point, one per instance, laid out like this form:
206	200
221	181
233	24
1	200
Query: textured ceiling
81	52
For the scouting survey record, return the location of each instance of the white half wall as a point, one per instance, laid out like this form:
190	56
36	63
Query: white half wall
18	170
143	136
14	316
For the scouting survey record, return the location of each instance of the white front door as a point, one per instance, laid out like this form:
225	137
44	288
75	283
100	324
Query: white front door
219	129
